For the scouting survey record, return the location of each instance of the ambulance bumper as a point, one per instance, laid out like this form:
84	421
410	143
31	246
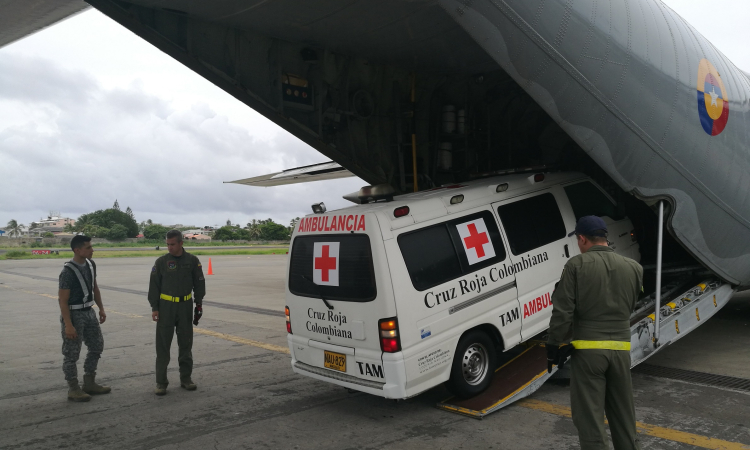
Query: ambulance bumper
393	387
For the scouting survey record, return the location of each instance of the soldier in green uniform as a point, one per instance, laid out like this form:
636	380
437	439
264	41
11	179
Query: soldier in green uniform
593	301
175	277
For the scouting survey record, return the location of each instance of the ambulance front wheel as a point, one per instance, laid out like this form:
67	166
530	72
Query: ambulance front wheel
473	365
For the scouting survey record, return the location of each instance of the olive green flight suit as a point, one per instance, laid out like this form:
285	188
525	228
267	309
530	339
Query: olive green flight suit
175	277
597	293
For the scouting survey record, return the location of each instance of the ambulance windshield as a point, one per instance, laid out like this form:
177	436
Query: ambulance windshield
335	266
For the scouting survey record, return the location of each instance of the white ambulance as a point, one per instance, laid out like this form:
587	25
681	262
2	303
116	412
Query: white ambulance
396	296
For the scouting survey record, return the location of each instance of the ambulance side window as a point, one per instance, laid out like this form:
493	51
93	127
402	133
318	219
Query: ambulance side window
532	223
587	200
435	255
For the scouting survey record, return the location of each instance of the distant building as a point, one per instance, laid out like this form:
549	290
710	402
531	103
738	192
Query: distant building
52	224
196	237
197	231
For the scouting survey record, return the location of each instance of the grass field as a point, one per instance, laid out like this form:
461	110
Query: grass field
146	244
143	253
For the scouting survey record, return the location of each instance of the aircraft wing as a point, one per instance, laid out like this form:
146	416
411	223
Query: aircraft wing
315	172
20	18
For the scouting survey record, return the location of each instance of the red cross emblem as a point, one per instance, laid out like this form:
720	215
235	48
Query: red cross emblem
476	241
325	263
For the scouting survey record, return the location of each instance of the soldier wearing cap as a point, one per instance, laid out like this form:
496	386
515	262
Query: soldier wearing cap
593	301
175	278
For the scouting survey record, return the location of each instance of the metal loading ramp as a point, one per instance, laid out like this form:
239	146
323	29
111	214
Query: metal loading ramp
516	379
523	375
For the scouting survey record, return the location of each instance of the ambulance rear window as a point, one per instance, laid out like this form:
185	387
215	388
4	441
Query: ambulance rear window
334	266
439	253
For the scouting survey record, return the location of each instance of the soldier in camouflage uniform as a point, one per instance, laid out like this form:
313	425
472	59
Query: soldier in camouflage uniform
78	292
175	277
597	293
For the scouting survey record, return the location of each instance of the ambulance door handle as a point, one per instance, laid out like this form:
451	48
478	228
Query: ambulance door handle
567	253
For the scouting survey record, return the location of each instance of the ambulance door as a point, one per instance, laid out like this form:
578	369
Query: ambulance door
539	248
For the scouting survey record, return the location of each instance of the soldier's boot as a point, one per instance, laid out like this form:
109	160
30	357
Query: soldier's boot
161	389
75	393
188	384
90	386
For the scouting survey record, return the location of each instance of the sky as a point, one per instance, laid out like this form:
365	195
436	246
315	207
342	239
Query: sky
91	113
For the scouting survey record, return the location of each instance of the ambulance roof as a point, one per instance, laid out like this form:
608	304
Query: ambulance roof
432	203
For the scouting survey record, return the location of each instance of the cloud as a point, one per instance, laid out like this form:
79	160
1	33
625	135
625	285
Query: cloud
79	146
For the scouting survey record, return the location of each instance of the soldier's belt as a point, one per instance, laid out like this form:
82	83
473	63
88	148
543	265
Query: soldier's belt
169	298
603	345
82	305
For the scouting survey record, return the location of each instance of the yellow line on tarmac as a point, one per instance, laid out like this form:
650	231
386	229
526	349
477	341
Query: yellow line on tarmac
132	316
216	334
644	428
239	340
29	292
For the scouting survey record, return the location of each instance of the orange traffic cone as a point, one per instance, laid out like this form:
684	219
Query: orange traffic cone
210	269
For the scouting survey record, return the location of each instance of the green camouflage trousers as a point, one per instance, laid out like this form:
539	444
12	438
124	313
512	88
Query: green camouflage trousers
89	332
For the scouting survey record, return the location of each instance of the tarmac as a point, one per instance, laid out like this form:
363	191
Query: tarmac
249	398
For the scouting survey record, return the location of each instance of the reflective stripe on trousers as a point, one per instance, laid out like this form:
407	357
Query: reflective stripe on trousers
603	345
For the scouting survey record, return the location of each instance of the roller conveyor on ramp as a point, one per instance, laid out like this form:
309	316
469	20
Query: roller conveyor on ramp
523	375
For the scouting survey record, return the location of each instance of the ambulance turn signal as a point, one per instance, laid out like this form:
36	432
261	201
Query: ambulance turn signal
390	342
288	321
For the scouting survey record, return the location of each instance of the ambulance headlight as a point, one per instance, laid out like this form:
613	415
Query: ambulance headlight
319	208
501	187
456	199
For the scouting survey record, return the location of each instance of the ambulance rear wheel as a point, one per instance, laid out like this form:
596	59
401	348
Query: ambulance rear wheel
473	365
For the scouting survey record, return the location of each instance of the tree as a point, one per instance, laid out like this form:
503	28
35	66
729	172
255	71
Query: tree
107	218
48	234
116	206
68	228
225	233
271	231
253	230
129	212
229	223
117	232
293	225
155	231
14	228
92	230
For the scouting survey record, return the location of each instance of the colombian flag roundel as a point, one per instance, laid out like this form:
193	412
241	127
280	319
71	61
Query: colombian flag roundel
713	103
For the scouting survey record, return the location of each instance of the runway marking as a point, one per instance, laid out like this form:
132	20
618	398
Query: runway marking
240	340
132	316
644	428
227	337
251	309
29	292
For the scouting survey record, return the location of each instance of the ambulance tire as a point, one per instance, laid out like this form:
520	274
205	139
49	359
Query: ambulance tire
474	365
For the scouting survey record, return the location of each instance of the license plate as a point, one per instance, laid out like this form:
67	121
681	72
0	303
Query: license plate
335	361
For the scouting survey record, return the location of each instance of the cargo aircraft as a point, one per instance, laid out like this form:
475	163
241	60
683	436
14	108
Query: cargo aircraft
426	93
